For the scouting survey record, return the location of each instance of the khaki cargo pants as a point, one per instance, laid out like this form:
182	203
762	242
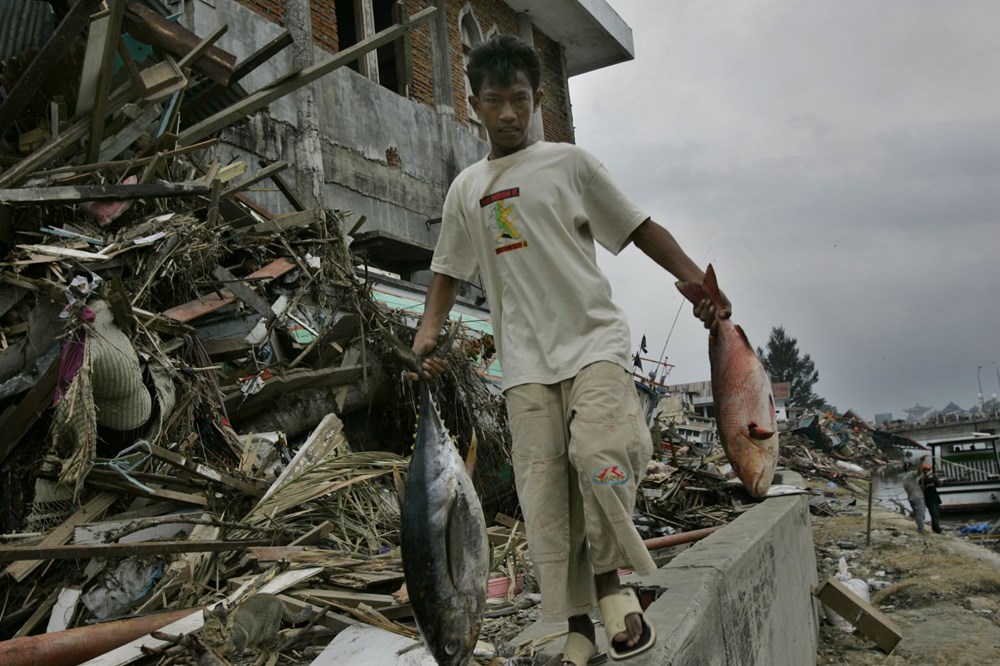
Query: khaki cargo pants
580	448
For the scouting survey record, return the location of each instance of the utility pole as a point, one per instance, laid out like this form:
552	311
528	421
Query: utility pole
979	371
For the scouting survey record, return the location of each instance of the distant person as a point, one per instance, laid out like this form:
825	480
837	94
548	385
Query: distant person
915	494
929	483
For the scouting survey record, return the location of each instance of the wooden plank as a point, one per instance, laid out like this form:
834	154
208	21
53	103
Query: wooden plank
194	309
362	580
315	535
351	357
262	55
64	609
133	651
326	435
243	292
48	60
385	604
64	252
287	191
243	67
239	405
275	269
98	114
125	164
100	25
871	622
40	613
71	194
205	472
17	419
135	549
288	84
202	46
162	80
125	137
330	620
65	144
267	172
147	25
288	221
60	535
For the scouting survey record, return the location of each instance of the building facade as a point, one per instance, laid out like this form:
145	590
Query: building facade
393	128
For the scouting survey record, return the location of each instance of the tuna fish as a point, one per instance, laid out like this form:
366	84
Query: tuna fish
444	542
741	390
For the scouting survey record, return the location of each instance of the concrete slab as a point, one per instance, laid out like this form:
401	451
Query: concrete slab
741	596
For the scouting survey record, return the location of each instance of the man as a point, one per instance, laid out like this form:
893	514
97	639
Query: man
915	494
929	483
525	219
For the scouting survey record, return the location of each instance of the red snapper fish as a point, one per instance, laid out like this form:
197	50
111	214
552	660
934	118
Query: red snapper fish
741	390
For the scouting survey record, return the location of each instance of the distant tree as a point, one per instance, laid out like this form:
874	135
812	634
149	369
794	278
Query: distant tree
784	363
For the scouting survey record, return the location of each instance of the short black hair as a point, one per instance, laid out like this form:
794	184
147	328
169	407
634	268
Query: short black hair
498	60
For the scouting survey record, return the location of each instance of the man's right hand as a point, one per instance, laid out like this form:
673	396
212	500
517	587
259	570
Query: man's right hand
433	366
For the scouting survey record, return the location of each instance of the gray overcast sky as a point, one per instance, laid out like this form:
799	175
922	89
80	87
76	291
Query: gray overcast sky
839	164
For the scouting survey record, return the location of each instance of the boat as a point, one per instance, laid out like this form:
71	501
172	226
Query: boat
968	470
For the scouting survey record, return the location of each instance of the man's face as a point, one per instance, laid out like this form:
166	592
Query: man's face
506	112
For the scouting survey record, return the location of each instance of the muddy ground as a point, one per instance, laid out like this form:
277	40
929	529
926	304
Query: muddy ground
943	591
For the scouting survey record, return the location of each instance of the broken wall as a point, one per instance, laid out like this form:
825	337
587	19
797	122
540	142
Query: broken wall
385	156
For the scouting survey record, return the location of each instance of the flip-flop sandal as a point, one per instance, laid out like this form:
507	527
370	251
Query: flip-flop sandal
614	608
579	651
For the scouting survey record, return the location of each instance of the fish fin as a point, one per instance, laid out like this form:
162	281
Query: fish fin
470	458
743	336
756	432
455	541
397	480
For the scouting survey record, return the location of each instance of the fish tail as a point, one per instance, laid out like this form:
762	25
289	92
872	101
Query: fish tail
692	291
709	288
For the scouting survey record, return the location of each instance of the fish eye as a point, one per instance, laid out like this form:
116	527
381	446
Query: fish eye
451	648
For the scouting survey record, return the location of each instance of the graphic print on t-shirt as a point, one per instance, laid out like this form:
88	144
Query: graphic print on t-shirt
503	216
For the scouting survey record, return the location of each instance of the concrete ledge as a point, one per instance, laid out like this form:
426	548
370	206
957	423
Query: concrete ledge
740	597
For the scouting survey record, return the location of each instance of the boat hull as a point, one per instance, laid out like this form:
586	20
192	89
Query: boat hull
971	497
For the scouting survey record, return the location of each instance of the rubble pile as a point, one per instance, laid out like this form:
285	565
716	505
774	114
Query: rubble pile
188	379
201	402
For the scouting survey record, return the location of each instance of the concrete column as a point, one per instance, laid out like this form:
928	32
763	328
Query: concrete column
568	108
444	95
526	32
444	98
307	147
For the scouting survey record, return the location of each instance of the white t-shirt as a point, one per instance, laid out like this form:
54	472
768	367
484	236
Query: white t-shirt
527	223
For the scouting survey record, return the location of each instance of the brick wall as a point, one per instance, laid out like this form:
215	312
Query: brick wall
489	14
555	103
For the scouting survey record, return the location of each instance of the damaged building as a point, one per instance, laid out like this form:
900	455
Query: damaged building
216	224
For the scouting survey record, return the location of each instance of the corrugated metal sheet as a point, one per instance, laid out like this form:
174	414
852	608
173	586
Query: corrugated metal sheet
24	24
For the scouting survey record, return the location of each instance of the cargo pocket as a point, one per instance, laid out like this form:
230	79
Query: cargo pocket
541	474
607	444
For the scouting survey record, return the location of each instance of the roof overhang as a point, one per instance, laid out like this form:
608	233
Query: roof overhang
591	32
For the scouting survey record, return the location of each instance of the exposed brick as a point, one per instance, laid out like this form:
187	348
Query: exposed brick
489	14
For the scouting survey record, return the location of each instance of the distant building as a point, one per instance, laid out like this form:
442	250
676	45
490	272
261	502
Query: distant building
781	391
882	419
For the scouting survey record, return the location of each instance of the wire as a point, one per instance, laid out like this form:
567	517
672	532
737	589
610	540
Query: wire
663	354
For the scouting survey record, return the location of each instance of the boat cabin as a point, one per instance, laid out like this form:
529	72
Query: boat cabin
968	467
